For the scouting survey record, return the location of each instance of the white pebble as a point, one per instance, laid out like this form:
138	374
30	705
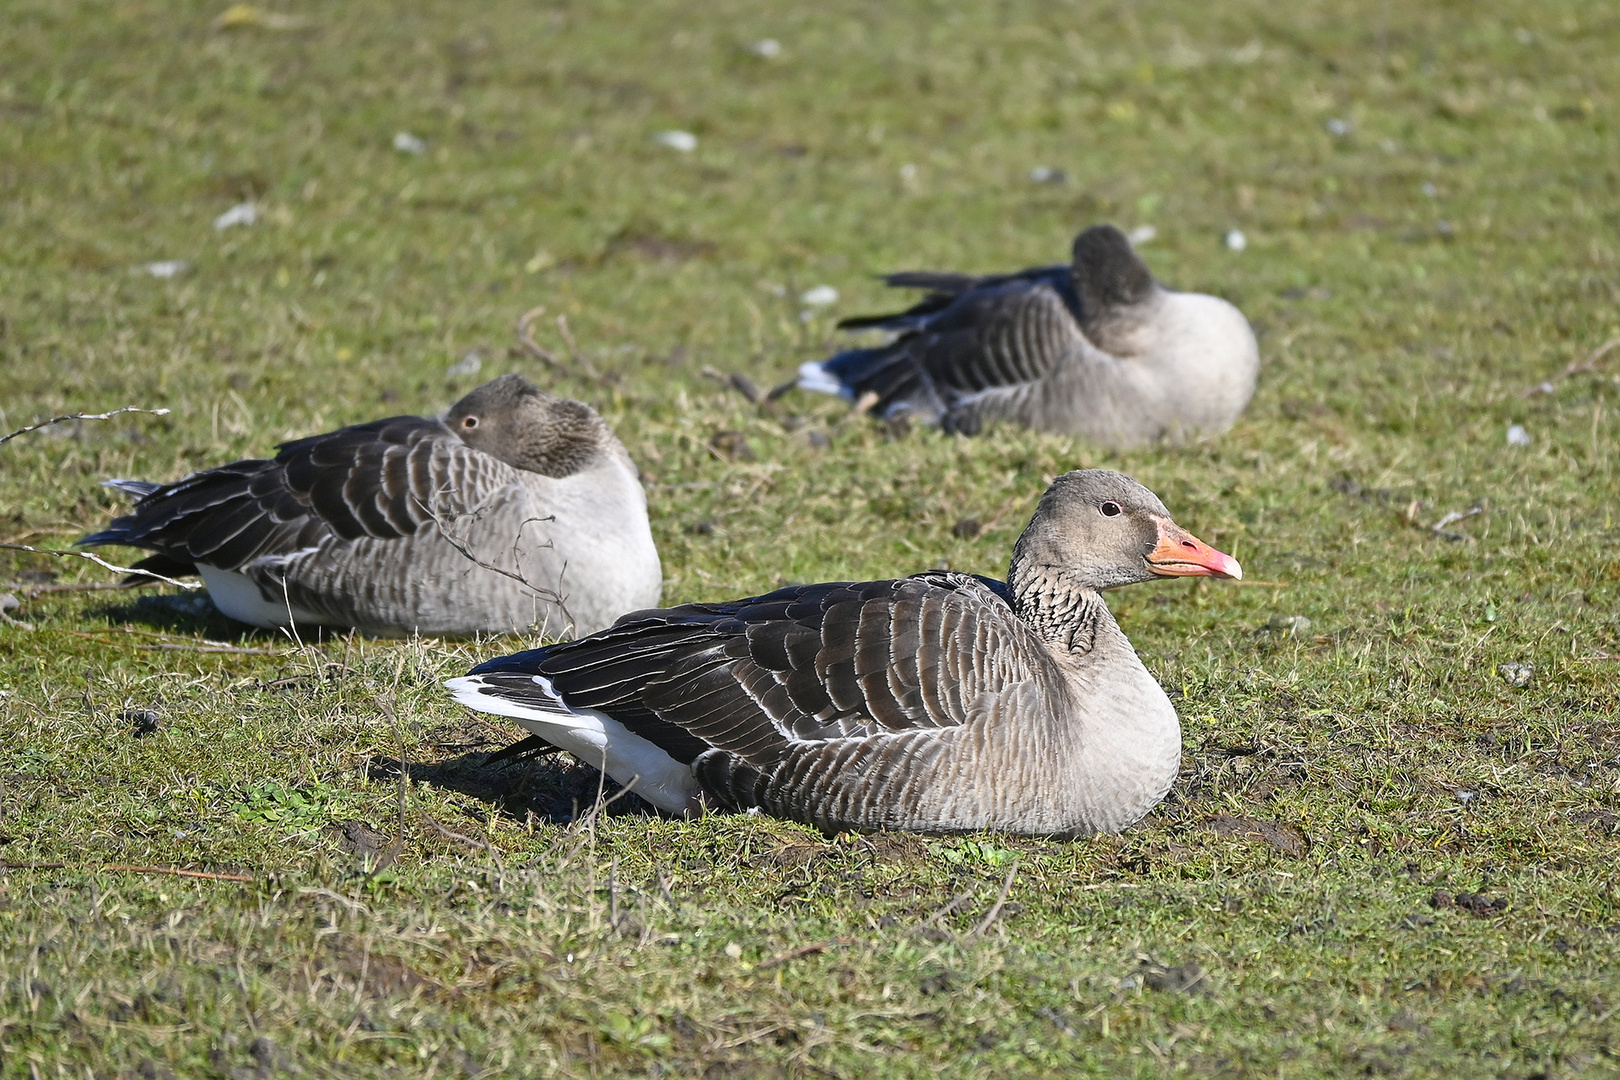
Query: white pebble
1142	234
766	48
1338	128
820	296
684	141
908	172
167	268
406	143
466	367
240	214
1235	240
1041	174
1517	436
1429	189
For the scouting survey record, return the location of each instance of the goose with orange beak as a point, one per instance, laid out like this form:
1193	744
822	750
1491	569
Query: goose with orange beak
940	702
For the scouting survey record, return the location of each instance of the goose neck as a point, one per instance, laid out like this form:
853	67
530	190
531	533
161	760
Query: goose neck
1062	611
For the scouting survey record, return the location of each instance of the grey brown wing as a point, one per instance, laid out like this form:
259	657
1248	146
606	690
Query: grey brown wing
1015	334
803	665
386	480
943	289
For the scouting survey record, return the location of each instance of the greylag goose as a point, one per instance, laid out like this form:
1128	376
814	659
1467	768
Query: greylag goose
940	702
1096	348
516	509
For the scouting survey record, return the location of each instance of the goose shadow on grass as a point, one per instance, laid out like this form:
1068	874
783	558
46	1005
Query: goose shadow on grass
194	615
190	614
555	789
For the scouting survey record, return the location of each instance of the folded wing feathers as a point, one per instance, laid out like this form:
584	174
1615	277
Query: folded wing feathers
969	335
854	661
364	480
1015	334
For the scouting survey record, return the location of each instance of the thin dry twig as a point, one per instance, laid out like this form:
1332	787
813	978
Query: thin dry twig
581	361
743	385
18	623
120	868
1439	527
580	367
663	887
460	544
995	909
803	950
99	561
589	820
525	336
81	416
1575	367
955	902
461	838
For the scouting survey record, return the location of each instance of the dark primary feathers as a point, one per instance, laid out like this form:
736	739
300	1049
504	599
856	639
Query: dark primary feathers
383	479
809	663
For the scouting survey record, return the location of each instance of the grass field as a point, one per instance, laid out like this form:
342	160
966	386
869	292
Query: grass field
1381	859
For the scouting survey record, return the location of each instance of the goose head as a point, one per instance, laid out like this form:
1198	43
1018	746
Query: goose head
1097	529
1108	273
514	420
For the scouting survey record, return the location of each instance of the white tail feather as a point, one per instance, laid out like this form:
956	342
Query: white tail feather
814	376
594	737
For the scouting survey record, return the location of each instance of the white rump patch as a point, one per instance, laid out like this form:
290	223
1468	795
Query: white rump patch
592	736
814	376
238	596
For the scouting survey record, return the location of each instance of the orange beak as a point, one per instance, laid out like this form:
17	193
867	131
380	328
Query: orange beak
1181	554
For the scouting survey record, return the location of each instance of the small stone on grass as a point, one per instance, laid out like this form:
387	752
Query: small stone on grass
1516	673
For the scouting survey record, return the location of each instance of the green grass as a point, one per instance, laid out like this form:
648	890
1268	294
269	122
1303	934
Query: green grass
1383	756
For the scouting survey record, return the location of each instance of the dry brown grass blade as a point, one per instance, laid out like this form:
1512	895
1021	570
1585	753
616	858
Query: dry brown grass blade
803	950
525	336
1001	901
396	846
1575	367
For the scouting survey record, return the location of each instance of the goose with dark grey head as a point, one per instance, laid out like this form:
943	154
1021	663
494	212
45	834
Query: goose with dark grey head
940	702
1096	348
517	509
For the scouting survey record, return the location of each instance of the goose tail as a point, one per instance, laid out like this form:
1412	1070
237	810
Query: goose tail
899	384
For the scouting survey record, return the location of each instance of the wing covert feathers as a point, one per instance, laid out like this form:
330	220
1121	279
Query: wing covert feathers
809	664
968	336
387	479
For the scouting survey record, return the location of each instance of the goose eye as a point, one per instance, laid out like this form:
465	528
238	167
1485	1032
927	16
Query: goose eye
1109	509
469	422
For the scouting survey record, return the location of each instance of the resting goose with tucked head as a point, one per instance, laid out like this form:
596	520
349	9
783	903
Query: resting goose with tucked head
1096	348
941	702
516	509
